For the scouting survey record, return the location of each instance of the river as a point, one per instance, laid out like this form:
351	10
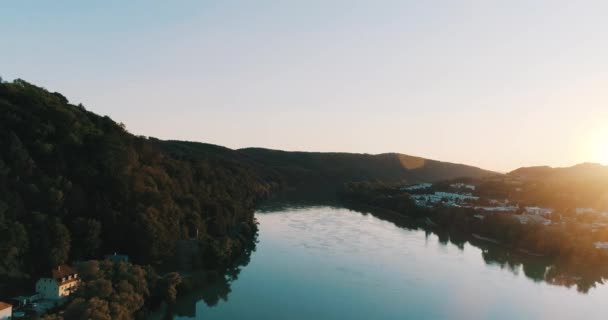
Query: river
329	262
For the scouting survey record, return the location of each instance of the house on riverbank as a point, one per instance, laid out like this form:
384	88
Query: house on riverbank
62	283
6	311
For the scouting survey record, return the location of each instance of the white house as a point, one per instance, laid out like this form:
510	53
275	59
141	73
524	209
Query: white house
6	311
539	211
63	282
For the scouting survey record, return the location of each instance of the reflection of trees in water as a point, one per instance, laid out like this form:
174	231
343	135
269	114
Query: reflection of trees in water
584	275
220	289
215	291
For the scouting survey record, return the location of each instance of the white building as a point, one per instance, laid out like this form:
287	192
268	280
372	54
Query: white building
463	186
419	186
511	209
450	199
601	245
538	211
63	282
584	210
455	196
532	218
6	311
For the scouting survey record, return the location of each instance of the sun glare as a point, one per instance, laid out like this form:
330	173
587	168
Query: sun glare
601	145
602	153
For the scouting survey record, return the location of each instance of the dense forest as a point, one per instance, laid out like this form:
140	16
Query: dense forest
75	186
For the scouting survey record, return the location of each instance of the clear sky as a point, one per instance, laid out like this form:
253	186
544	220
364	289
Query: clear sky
496	84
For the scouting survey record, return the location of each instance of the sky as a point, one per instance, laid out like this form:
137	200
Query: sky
495	84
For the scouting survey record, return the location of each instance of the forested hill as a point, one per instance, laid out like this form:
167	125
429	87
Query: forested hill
327	170
75	185
583	171
583	185
335	169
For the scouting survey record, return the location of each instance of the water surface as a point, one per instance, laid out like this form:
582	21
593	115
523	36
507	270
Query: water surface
323	262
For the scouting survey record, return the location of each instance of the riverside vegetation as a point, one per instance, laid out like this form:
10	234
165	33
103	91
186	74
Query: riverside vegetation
75	186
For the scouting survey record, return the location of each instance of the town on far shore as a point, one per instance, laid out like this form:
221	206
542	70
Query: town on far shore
468	195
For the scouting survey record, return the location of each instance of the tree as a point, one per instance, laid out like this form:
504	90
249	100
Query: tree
169	285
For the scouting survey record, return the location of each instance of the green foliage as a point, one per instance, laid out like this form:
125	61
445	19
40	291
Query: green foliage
168	286
569	247
113	290
75	185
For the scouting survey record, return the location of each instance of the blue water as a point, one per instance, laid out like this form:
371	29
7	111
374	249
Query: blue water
333	263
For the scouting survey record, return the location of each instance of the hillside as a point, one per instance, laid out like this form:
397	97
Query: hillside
583	171
579	186
334	169
75	185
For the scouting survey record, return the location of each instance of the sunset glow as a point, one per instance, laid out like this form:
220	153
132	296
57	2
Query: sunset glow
602	153
596	146
342	159
435	80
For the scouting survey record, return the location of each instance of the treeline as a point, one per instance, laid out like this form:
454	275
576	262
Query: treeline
330	170
75	186
570	246
581	186
117	291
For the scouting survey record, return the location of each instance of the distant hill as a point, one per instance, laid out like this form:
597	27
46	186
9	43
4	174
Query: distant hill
584	171
75	185
332	169
328	170
583	185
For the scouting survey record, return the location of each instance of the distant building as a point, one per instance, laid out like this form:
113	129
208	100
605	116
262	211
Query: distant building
584	210
419	186
463	186
62	283
6	311
538	211
532	218
499	202
117	257
601	245
507	209
455	196
446	198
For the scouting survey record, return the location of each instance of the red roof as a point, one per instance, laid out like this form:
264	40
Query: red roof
4	305
63	271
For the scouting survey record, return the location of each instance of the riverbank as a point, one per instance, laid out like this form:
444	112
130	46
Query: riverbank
333	262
